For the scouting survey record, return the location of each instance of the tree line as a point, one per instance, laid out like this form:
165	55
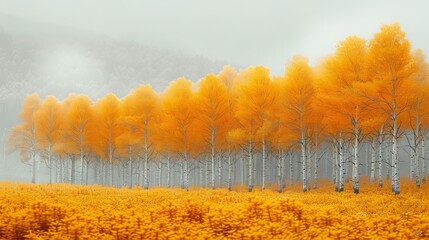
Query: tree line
371	93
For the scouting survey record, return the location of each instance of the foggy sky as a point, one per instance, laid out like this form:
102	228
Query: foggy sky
240	31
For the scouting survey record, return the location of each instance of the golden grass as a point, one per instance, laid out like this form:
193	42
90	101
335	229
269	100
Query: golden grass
62	211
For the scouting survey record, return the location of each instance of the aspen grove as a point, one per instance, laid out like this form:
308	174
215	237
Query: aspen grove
341	119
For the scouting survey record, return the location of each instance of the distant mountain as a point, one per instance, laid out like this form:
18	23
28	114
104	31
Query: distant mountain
48	59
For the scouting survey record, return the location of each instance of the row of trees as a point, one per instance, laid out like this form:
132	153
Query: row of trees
372	91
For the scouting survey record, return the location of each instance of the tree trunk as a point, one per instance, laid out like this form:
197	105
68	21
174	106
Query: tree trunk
229	168
424	162
342	164
111	160
336	169
96	167
279	172
146	172
395	172
413	158
304	163
380	157
160	173
33	160
86	171
207	181
284	170
316	161
250	176
73	170
372	174
185	154
356	161
81	163
61	163
50	162
130	166
242	169
414	164
264	162
182	179
308	166
168	171
146	156
334	166
220	169
213	158
291	169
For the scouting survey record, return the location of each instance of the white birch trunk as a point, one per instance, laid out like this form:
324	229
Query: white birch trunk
73	169
186	161
395	173
130	165
207	182
290	169
264	162
304	163
279	172
168	171
309	172
413	158
424	162
219	170
81	157
111	156
182	179
33	160
342	164
160	173
356	160
229	168
337	169
334	166
86	171
416	167
213	158
50	161
380	157
372	171
284	170
250	176
316	161
146	154
60	162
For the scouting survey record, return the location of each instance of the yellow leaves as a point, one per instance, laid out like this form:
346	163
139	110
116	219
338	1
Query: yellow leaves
178	103
31	104
256	98
48	121
213	107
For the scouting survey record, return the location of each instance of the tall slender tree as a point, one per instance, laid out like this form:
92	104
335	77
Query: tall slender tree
212	97
77	130
256	97
297	93
390	67
178	104
48	124
23	137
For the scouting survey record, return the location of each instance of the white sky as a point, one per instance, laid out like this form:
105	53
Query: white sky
236	31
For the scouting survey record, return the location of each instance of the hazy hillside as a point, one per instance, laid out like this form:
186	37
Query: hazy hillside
47	59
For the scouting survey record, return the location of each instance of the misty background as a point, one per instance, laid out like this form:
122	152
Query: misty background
95	47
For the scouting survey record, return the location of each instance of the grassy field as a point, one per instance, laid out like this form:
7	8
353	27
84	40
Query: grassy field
62	211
